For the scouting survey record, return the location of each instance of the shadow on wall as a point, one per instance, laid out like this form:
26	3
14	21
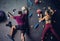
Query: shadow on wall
56	21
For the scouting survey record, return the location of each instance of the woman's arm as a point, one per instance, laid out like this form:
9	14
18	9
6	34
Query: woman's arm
52	12
41	19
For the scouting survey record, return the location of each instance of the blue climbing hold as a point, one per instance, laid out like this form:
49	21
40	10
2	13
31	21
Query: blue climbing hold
30	15
14	10
29	1
36	25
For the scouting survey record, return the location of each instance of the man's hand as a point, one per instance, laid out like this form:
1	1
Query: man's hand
26	11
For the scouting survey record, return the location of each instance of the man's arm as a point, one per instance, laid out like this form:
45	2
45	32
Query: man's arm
26	11
10	15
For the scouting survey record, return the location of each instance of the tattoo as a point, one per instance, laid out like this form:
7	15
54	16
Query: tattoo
10	13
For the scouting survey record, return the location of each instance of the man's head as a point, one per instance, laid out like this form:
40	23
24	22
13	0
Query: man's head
19	12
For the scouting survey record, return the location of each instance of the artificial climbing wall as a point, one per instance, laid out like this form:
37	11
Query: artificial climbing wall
37	28
33	20
8	6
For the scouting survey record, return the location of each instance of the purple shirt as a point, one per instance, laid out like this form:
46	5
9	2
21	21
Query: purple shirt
20	19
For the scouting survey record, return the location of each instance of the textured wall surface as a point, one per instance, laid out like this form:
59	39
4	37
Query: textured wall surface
9	5
54	4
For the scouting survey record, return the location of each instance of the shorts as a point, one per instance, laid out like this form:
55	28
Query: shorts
21	28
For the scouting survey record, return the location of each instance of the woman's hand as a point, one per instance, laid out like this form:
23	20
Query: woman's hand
52	12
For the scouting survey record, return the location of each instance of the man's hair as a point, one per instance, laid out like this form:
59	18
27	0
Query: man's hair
19	12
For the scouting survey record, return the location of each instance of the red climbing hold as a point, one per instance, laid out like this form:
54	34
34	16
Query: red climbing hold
36	1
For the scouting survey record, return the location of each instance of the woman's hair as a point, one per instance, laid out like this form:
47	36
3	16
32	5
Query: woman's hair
19	12
49	13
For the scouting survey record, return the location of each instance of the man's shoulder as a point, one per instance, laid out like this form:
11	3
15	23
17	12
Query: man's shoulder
24	14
